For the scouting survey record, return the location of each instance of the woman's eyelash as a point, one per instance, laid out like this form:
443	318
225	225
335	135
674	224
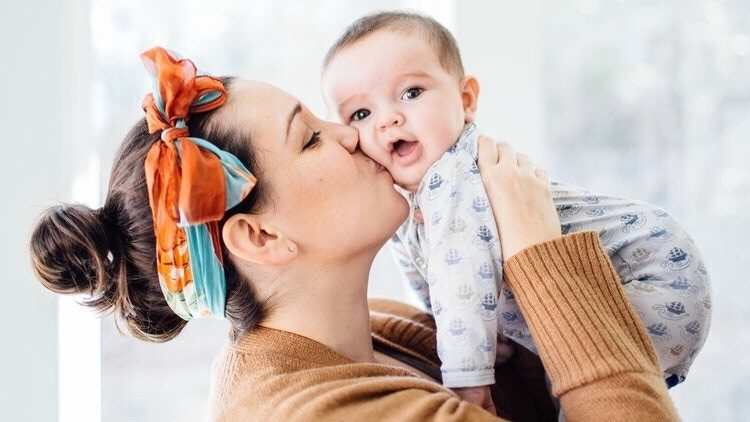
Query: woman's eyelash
314	139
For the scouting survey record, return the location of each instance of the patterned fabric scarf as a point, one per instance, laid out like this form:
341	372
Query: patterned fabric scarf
191	183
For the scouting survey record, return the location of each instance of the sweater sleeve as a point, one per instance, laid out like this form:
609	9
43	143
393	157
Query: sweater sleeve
597	353
396	399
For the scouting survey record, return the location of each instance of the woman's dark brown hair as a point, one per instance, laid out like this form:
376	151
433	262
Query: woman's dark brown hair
108	254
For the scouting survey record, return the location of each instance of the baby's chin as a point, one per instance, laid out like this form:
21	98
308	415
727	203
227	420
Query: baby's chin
408	179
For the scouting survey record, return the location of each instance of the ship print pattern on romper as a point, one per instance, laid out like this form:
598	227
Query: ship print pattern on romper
660	267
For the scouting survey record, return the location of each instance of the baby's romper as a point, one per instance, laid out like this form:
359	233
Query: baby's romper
454	263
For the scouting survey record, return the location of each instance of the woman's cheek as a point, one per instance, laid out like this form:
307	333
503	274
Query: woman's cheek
327	181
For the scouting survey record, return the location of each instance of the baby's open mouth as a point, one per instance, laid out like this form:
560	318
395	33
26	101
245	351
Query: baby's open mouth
406	152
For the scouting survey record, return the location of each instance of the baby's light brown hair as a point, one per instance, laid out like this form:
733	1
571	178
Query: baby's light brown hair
408	23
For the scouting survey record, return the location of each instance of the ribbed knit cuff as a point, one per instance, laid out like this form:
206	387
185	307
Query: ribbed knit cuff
578	314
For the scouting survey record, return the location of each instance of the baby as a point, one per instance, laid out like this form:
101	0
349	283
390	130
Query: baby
398	79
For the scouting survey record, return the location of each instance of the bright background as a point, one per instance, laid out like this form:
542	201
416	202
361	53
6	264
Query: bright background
646	99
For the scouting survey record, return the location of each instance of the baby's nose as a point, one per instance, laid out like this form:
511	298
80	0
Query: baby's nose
394	119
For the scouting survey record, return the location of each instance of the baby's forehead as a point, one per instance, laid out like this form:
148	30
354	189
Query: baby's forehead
416	31
407	33
383	55
401	39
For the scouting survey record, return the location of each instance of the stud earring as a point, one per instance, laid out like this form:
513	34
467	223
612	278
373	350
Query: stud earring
290	248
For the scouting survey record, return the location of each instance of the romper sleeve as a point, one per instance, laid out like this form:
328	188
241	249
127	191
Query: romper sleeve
462	268
408	269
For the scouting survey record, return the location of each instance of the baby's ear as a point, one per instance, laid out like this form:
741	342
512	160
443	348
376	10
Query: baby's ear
469	86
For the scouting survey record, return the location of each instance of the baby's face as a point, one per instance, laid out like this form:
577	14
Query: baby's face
407	108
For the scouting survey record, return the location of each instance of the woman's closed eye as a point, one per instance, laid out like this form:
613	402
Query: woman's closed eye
314	140
412	93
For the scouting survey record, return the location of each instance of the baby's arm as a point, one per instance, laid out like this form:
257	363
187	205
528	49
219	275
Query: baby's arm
462	269
407	268
480	396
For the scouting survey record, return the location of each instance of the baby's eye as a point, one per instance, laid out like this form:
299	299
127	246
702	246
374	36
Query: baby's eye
360	114
412	93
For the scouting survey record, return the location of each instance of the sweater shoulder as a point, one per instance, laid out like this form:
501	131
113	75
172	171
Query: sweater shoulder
292	382
273	374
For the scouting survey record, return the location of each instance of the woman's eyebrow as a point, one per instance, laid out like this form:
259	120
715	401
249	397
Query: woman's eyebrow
297	108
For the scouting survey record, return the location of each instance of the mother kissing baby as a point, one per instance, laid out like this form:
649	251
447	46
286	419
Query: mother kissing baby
231	199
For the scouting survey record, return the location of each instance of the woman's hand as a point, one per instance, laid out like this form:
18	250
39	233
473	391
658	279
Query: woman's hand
519	195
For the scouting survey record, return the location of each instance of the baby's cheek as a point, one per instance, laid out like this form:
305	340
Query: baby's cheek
370	146
366	140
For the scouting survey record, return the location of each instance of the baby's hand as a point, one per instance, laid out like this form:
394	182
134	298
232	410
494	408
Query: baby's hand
505	349
480	396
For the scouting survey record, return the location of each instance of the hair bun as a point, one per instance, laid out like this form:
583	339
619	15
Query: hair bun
71	253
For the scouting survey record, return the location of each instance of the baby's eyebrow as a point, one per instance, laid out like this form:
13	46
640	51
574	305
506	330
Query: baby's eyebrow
416	73
344	103
407	74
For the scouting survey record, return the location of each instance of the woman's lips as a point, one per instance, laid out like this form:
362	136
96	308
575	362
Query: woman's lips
406	152
381	170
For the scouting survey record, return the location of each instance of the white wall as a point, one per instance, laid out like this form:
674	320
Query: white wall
500	45
44	112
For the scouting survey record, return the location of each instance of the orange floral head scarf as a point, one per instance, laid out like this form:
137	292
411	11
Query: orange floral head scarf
191	183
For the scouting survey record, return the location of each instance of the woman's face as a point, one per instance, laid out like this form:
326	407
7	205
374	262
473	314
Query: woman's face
324	194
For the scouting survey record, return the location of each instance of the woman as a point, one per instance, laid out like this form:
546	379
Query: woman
288	262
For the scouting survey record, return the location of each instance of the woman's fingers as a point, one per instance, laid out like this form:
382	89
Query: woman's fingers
524	163
521	199
494	153
488	155
542	175
507	155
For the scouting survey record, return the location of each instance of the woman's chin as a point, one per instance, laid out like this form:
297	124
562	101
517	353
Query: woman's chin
391	216
403	209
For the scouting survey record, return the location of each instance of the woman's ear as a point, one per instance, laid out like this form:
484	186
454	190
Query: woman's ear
469	86
249	238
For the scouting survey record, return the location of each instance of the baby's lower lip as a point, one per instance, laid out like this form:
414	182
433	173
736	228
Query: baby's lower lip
407	152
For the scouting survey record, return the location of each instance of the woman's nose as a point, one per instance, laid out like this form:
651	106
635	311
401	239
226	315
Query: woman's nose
348	137
391	119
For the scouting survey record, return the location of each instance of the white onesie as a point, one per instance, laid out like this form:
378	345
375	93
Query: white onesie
453	261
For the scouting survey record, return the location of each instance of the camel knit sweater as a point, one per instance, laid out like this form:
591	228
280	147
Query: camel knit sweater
595	351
